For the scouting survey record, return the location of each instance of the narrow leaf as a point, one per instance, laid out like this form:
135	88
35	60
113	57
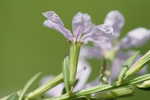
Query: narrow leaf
113	93
140	79
27	86
145	84
131	59
66	74
13	96
121	76
126	66
138	65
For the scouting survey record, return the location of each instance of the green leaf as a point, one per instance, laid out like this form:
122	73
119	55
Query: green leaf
140	79
13	96
126	66
42	89
66	74
73	62
145	84
121	76
138	65
131	59
95	89
114	93
27	86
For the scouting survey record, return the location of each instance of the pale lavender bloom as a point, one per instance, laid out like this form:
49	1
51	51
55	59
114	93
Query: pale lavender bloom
83	73
116	20
90	52
82	28
103	44
135	38
53	21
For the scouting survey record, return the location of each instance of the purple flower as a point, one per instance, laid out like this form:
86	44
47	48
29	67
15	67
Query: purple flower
116	20
83	30
135	38
103	44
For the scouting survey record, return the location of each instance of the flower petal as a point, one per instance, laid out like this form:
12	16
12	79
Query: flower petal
116	20
53	21
88	52
81	24
105	29
83	73
54	92
100	33
117	64
135	38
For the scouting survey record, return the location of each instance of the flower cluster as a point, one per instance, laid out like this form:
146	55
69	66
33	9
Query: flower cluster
83	30
106	44
121	48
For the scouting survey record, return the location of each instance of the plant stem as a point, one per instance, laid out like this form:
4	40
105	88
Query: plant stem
63	97
73	62
94	90
46	87
114	93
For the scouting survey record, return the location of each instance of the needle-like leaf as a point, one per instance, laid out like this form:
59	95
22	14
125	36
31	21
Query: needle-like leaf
27	86
66	74
138	65
126	66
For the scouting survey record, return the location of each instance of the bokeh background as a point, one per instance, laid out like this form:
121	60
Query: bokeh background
26	47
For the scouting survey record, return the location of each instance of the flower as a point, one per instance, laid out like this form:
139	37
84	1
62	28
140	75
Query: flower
83	30
135	38
116	20
83	73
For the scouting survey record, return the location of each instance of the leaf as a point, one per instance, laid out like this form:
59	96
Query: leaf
126	66
140	79
95	89
138	65
66	74
13	96
144	85
113	93
131	59
27	86
121	75
44	88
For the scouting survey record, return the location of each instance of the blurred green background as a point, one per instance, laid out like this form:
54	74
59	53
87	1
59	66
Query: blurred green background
26	47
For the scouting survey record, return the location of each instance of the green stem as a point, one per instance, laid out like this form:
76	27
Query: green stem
95	89
114	93
63	97
84	92
74	55
101	91
57	80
